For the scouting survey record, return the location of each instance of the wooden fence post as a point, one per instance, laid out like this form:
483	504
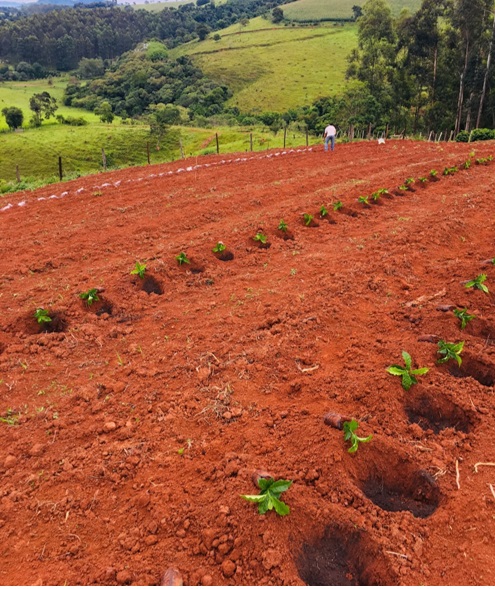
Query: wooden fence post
148	152
285	135
17	174
103	159
307	137
251	141
218	146
181	149
60	170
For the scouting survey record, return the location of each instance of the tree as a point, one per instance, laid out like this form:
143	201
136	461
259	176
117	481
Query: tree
104	111
161	117
13	116
277	15
357	11
43	106
202	31
90	68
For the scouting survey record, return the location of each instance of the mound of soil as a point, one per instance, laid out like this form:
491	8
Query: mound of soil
127	439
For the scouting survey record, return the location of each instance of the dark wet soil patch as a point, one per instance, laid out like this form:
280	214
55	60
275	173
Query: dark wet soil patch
285	235
57	325
225	256
151	285
343	556
480	371
100	307
437	413
417	493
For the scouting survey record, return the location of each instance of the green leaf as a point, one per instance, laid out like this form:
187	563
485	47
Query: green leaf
264	484
254	498
396	370
280	486
420	371
280	507
264	505
408	381
354	446
407	359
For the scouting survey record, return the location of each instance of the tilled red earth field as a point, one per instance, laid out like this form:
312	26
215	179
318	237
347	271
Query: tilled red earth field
130	428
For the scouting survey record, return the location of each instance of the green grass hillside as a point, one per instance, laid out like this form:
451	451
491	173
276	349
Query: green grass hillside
273	67
19	93
325	9
36	151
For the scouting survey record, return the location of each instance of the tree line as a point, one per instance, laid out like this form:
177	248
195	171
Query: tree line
59	39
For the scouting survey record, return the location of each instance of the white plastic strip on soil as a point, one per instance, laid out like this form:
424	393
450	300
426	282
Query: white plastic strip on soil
23	203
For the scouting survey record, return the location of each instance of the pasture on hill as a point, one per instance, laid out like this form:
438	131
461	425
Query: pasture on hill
36	151
304	10
19	93
274	68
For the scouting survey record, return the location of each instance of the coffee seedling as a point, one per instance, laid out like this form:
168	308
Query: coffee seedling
182	259
261	237
423	180
376	196
450	351
403	188
323	211
220	247
467	164
337	205
407	374
478	283
139	269
282	226
90	296
349	428
450	171
363	199
433	173
42	316
463	316
307	219
269	498
409	181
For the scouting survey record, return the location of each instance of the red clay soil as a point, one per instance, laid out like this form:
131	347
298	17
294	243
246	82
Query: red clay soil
130	429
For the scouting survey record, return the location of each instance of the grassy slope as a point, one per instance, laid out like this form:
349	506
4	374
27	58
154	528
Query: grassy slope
275	67
317	9
19	93
36	151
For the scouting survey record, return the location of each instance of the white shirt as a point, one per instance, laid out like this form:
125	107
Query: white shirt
330	130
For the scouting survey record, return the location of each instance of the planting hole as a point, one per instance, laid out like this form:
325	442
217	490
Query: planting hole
483	373
416	492
105	307
225	256
57	325
483	329
437	414
343	557
151	285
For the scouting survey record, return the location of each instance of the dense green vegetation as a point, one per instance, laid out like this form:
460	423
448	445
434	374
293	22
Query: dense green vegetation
60	38
272	67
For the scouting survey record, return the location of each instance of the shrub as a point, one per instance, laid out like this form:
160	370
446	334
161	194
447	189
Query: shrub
482	134
462	137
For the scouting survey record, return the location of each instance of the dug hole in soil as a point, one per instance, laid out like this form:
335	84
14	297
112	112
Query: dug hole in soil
127	439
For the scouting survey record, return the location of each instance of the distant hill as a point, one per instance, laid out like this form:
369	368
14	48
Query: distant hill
274	67
304	10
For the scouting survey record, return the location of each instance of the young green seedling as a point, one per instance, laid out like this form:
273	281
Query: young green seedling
261	237
269	498
450	351
407	373
42	316
403	187
182	259
382	191
220	247
282	226
307	219
323	211
478	283
467	164
433	173
349	428
363	199
337	205
409	181
376	195
463	316
423	180
90	296
139	269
